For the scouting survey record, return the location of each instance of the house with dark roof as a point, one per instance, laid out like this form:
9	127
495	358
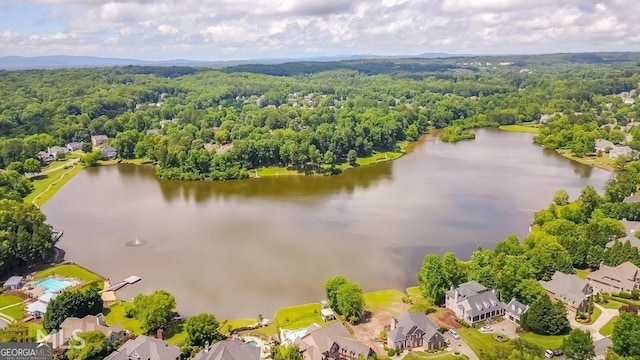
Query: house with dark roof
331	342
569	289
614	279
109	152
229	350
73	325
514	310
472	302
145	348
413	330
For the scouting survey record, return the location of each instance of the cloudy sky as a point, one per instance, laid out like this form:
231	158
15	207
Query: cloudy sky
244	29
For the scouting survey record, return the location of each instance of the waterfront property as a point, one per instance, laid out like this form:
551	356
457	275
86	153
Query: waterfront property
73	325
13	283
38	307
147	348
331	342
229	350
414	330
98	140
472	302
614	279
569	289
514	310
73	146
109	153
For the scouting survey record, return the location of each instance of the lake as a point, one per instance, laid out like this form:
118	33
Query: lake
240	248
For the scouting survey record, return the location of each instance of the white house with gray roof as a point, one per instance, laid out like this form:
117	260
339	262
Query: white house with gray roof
414	330
514	310
229	350
569	289
145	348
472	302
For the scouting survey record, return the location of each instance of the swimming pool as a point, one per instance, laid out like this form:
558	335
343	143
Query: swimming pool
52	285
253	342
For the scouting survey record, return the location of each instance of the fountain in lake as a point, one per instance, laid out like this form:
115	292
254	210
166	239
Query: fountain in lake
137	242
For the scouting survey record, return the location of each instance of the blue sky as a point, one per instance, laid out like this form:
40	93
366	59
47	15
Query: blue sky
244	29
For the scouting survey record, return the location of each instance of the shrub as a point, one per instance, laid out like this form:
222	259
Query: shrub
391	352
383	336
625	295
629	308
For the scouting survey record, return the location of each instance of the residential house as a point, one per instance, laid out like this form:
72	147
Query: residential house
13	283
153	132
619	151
229	350
38	307
72	326
603	145
614	279
331	342
413	330
632	198
98	140
109	153
145	348
514	310
55	150
473	302
45	157
631	227
73	146
569	289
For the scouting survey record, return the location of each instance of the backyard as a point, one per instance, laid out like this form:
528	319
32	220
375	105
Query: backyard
543	341
70	271
421	355
12	306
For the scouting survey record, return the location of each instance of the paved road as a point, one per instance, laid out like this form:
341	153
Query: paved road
594	328
461	346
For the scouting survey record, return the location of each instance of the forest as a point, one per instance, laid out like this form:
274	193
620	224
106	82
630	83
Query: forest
219	124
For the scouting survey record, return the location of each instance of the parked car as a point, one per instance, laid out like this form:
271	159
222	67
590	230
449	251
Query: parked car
454	334
558	352
548	353
486	328
447	341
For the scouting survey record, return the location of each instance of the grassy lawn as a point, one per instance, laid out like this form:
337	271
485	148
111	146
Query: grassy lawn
596	314
235	323
274	171
14	306
414	291
300	316
478	342
543	341
381	300
612	304
607	329
34	329
176	334
71	271
56	179
603	162
421	355
582	273
520	128
115	315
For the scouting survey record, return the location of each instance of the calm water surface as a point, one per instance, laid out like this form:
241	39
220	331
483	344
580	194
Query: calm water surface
241	248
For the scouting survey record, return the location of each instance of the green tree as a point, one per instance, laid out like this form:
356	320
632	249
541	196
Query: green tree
16	166
88	345
546	318
432	278
126	143
285	352
350	301
561	197
154	311
32	165
87	147
626	335
92	158
529	290
352	156
453	269
329	158
331	288
72	304
202	328
579	345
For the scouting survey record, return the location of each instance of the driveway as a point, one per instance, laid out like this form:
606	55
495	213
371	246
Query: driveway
602	346
3	323
461	346
594	328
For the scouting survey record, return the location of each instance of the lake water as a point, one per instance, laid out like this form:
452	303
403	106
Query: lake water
240	248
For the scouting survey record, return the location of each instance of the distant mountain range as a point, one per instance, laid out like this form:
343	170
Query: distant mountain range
65	61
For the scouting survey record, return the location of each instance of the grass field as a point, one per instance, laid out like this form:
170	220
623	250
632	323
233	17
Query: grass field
582	273
603	162
274	171
478	342
381	300
521	128
14	306
115	315
596	314
612	304
235	323
300	316
414	291
543	341
421	355
607	329
71	271
56	179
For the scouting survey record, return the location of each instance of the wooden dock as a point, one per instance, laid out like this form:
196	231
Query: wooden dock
128	281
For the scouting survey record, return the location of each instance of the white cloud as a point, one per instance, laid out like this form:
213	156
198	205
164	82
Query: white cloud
166	29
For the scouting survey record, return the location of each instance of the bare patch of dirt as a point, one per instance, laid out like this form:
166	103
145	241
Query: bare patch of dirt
368	331
445	318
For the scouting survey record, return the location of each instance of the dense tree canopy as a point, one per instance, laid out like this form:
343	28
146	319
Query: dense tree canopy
154	311
78	303
202	328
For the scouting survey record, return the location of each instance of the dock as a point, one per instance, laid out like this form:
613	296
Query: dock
128	281
56	235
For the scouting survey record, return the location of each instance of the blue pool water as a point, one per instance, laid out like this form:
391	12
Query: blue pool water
53	285
254	343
